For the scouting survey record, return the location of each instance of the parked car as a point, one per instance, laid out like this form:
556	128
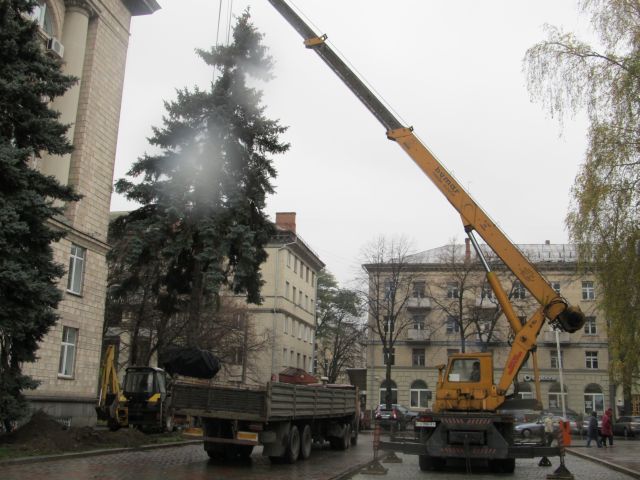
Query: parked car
396	416
627	426
535	427
412	415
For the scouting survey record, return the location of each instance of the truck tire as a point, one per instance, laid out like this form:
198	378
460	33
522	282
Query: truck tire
237	452
354	437
292	451
502	465
429	463
305	442
215	451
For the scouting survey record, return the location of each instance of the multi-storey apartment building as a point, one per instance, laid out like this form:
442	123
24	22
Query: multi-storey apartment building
92	38
433	326
286	319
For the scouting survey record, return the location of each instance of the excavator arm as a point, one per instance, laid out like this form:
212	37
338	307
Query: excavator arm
553	306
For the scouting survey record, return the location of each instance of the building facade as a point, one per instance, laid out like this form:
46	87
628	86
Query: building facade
92	38
433	326
287	316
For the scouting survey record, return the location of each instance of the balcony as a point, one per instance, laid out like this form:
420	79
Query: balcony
418	302
550	337
414	335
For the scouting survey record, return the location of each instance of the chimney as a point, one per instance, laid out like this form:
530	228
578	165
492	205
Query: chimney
467	250
286	221
547	242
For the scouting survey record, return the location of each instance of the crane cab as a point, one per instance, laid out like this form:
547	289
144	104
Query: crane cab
466	384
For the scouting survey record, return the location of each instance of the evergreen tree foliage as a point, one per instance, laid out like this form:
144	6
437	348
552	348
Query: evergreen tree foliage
567	75
29	80
203	196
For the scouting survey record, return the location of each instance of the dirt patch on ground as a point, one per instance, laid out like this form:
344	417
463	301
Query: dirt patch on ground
44	435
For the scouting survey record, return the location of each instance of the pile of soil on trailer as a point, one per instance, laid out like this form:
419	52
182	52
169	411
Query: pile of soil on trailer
43	435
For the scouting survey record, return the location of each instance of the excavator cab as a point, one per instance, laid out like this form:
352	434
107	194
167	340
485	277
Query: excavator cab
145	390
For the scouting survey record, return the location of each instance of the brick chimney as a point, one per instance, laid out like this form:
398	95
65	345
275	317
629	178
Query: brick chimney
286	221
467	250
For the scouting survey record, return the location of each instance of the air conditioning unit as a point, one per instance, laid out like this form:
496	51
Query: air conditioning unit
54	46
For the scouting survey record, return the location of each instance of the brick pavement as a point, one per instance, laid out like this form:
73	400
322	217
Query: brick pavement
624	456
192	463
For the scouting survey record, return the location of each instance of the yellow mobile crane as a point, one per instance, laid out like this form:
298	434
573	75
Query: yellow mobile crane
466	422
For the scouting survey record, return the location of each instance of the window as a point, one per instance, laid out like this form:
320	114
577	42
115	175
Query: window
519	292
284	357
42	16
556	286
307	275
390	359
295	265
297	360
291	354
389	289
555	396
304	362
289	259
300	327
394	392
453	326
68	352
285	327
300	297
591	359
593	398
487	293
388	324
313	279
418	289
523	319
419	394
590	326
294	298
418	321
236	356
588	291
306	302
553	354
76	269
453	290
301	269
417	357
313	308
286	290
464	370
524	390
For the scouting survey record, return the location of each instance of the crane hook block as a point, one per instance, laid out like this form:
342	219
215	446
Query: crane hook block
315	41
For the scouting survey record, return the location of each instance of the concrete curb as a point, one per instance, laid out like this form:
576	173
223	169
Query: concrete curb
91	453
606	463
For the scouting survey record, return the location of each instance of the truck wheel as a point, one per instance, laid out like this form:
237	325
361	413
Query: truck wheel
429	463
215	451
305	443
354	437
346	437
293	445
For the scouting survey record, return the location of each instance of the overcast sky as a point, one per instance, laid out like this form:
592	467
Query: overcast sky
452	70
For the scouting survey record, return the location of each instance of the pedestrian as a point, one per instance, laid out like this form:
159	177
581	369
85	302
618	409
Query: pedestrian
548	429
592	431
607	428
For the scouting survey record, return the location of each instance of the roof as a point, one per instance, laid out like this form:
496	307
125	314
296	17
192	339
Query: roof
535	252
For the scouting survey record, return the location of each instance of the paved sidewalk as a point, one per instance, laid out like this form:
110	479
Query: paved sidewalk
624	456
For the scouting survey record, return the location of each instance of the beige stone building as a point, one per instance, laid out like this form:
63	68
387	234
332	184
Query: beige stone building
92	38
430	333
286	319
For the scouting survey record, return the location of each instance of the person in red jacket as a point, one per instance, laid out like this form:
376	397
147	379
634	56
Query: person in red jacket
606	430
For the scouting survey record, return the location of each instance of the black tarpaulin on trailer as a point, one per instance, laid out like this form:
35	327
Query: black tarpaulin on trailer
191	362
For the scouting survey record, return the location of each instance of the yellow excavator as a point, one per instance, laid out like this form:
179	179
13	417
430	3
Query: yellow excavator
142	402
468	420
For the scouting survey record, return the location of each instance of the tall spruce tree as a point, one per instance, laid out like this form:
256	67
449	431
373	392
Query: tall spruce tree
204	195
29	80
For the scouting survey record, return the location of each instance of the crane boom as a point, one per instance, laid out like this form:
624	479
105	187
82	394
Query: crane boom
552	305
